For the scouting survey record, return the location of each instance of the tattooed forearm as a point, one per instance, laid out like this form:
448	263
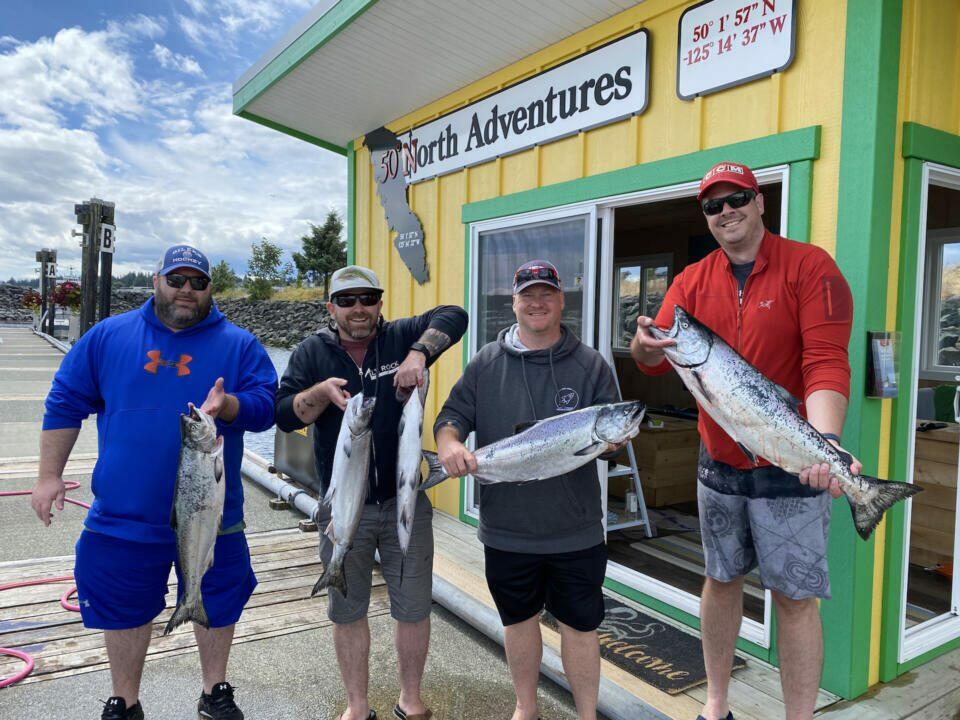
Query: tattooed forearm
308	406
435	341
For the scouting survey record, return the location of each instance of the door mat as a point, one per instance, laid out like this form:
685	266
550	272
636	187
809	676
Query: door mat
657	653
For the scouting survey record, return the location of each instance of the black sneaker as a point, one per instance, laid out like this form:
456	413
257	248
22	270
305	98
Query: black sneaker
116	709
219	704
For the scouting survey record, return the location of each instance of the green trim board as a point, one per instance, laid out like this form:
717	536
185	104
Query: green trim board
797	148
926	143
465	359
780	149
351	204
335	20
920	144
867	152
902	421
290	131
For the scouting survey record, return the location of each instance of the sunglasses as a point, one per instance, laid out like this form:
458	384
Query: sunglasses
735	200
178	281
348	301
537	272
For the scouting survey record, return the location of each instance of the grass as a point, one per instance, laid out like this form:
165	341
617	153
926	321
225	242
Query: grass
291	293
300	294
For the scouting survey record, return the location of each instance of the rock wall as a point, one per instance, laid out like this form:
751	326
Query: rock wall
276	323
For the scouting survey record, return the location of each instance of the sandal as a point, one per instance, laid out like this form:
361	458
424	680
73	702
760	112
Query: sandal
399	713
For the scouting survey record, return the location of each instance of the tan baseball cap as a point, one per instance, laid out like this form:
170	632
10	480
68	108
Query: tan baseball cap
354	277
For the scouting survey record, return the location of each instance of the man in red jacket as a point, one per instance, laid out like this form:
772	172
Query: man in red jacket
785	307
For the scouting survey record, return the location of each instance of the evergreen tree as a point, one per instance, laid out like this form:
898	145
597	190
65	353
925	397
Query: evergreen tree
223	277
323	251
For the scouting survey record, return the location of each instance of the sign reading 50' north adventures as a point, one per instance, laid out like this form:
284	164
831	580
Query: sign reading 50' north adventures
593	89
728	42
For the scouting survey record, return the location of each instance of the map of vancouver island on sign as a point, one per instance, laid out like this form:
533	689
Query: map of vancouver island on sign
392	189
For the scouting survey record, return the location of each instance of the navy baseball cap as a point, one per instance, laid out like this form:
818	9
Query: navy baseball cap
536	271
181	256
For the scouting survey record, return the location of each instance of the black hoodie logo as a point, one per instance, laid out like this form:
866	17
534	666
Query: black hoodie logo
566	399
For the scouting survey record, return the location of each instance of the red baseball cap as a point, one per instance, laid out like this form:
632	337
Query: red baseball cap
728	172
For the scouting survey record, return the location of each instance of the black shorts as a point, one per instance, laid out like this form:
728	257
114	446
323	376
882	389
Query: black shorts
569	585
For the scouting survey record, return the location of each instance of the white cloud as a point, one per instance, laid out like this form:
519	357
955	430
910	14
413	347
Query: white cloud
74	70
216	23
170	60
77	121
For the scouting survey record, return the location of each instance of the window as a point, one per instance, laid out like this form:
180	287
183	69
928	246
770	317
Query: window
639	287
499	254
940	353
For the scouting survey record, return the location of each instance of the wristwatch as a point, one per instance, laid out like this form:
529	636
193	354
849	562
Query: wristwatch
420	347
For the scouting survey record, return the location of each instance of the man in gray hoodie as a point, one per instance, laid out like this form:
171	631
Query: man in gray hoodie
543	541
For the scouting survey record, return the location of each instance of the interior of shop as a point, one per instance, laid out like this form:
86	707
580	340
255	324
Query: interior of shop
652	243
933	518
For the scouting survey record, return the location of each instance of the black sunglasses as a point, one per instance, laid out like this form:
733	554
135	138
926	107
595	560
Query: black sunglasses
348	301
537	272
735	200
178	281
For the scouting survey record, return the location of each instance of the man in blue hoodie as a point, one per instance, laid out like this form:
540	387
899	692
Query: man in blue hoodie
137	372
543	541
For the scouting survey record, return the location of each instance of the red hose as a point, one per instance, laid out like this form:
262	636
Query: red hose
64	599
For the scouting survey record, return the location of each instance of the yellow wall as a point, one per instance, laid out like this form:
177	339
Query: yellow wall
808	93
929	94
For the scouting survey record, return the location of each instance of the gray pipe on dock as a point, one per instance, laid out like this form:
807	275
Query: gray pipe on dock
297	497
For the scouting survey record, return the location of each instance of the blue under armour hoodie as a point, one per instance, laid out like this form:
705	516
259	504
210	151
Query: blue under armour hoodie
137	375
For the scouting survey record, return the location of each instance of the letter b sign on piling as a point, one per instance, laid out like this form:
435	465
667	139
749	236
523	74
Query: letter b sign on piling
108	234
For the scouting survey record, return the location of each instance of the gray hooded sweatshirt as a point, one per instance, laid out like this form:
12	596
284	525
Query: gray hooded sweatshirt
503	387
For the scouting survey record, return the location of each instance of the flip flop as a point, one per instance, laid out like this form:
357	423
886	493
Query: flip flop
400	714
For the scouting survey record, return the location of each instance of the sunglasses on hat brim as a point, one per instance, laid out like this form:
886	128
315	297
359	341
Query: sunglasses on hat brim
714	206
537	272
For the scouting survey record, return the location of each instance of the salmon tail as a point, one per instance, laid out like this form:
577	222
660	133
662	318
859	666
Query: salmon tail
882	495
436	472
331	578
184	612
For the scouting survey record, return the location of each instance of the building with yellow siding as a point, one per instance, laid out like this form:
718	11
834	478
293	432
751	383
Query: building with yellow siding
578	130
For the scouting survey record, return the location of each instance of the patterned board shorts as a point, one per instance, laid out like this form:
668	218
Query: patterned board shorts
785	537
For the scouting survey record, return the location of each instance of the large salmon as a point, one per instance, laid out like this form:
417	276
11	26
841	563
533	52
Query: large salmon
551	447
197	511
762	417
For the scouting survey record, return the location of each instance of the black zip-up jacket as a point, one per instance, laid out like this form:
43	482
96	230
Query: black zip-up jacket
320	356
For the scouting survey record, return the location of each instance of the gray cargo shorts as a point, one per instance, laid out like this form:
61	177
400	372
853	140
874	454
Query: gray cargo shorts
785	537
410	600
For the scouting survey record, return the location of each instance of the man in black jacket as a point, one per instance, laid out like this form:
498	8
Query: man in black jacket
361	352
543	541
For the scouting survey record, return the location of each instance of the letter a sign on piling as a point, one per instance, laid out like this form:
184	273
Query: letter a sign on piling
108	234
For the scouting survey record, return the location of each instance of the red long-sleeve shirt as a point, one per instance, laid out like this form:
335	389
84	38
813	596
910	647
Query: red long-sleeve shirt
792	323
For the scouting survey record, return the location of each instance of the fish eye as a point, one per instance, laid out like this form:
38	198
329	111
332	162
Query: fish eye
684	324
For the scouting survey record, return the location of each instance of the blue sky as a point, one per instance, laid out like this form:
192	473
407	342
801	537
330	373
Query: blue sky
131	102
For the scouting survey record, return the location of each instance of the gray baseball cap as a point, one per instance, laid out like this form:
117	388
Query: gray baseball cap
354	277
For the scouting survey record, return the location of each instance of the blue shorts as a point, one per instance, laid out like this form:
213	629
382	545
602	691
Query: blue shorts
123	584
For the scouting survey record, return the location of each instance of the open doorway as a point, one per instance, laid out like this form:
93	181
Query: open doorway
652	242
931	602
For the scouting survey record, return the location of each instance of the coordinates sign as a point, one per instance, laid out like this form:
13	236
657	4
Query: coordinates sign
728	42
599	87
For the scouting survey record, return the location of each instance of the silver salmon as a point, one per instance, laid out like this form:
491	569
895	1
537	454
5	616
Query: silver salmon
409	457
551	447
762	417
197	511
348	488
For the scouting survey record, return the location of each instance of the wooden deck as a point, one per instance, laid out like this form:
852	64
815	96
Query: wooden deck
286	565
